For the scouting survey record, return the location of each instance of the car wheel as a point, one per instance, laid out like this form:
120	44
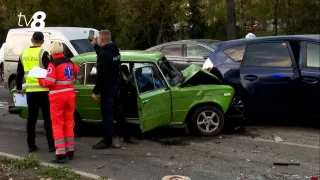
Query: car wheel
238	106
12	84
207	120
2	72
77	124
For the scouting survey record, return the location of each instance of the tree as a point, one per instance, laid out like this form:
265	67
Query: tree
231	15
275	17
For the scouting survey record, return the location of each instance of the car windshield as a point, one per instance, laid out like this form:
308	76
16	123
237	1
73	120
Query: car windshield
82	46
172	75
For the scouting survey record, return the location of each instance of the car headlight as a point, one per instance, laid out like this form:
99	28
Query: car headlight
207	65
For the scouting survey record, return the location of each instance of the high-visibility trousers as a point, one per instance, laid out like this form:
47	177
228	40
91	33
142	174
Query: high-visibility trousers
62	107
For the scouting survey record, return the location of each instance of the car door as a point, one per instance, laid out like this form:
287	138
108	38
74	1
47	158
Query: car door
310	78
154	98
196	54
271	77
86	106
174	53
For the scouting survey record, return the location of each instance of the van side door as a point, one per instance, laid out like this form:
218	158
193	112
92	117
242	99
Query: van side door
310	78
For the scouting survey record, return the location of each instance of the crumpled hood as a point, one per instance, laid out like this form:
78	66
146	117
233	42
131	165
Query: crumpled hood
195	75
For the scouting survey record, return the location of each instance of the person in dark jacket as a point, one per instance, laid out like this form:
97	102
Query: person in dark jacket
107	86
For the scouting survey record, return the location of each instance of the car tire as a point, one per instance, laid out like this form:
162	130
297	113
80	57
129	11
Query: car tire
1	72
209	126
12	85
239	106
78	124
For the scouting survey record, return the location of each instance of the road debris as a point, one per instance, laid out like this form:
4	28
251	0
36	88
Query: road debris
277	138
285	164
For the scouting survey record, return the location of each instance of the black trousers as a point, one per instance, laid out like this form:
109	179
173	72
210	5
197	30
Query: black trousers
36	100
110	110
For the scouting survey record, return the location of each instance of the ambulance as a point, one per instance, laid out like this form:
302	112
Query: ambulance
74	39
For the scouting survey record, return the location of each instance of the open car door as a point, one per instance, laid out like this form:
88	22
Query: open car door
154	99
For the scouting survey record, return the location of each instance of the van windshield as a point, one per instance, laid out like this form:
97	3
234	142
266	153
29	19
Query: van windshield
82	46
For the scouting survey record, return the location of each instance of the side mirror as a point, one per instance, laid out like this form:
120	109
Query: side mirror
205	57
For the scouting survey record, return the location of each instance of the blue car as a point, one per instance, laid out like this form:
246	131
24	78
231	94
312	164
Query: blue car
277	75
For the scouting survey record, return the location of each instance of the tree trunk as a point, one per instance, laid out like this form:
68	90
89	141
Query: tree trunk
161	23
243	24
275	17
231	16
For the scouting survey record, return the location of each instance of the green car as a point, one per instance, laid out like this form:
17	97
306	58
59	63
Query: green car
155	94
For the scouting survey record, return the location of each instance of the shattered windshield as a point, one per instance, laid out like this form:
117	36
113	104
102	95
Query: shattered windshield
172	75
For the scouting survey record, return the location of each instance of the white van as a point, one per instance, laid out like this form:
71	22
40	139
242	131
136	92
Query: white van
74	39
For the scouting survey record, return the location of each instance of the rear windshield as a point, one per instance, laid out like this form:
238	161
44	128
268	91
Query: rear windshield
82	46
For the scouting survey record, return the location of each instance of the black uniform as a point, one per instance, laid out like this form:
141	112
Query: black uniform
36	100
107	85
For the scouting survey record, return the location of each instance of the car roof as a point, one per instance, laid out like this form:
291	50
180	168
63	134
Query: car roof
194	41
70	32
126	55
237	42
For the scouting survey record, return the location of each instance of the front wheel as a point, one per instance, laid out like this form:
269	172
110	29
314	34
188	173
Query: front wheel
207	120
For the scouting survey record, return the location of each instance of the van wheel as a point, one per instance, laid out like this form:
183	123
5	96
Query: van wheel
207	120
78	124
12	84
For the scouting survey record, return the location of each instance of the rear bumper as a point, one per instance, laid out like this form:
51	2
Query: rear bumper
14	110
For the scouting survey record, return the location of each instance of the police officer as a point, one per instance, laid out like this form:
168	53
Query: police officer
107	86
37	96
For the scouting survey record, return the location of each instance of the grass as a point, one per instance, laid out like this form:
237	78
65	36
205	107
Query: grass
30	168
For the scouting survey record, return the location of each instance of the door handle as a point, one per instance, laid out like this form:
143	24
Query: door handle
145	101
250	77
310	80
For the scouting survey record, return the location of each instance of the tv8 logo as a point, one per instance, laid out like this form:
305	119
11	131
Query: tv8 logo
35	19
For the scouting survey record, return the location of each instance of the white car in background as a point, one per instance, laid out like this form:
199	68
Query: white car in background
1	62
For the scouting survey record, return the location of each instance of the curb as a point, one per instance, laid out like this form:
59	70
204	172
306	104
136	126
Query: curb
81	173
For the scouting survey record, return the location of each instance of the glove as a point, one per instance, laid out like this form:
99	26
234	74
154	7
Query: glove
40	81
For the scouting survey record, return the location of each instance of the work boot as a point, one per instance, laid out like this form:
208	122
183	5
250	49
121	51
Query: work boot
106	145
129	139
51	149
32	148
60	159
70	155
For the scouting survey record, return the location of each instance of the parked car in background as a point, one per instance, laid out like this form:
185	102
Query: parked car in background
156	94
277	75
186	52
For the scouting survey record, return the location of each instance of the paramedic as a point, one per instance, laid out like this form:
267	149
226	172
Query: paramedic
62	97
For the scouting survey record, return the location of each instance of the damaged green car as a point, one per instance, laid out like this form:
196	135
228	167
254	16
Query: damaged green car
154	94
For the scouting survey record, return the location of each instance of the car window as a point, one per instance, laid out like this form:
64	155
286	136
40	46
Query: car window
236	53
91	73
147	77
80	76
67	52
172	50
82	46
197	51
271	54
313	55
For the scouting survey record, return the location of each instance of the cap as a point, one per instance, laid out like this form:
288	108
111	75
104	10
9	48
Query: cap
38	36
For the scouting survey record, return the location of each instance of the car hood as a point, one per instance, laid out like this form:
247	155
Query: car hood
194	75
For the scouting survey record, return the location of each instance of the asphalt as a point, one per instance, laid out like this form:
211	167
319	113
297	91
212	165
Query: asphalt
248	153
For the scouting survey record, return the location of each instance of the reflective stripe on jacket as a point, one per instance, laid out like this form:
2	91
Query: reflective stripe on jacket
60	76
30	58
